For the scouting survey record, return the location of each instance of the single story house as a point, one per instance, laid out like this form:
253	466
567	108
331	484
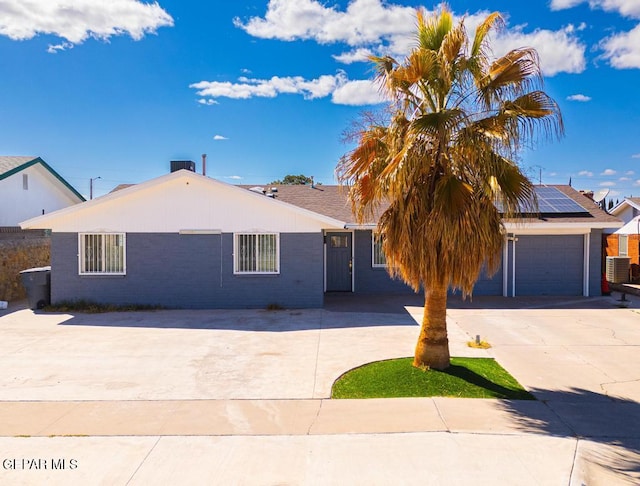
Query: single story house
186	240
30	187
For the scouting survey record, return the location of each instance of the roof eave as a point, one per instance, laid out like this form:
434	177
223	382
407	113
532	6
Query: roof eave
509	226
514	226
361	226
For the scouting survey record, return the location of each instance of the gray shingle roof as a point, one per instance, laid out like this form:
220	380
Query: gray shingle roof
332	201
11	162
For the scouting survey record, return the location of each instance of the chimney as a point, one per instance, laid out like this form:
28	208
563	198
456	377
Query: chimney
204	164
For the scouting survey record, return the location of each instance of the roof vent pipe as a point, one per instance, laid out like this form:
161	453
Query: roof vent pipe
204	164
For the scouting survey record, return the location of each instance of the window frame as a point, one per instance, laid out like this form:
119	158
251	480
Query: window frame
376	241
626	245
82	251
236	253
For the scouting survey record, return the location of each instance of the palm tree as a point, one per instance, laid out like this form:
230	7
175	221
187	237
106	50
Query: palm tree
443	163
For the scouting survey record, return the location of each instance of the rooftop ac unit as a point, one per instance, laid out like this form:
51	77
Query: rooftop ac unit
618	269
183	164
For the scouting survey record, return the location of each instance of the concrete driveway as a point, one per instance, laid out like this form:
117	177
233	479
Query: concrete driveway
253	386
548	345
178	355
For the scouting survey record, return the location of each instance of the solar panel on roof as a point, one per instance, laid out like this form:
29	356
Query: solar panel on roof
554	201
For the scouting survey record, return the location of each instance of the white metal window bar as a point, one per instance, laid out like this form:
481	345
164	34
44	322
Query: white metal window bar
102	254
257	253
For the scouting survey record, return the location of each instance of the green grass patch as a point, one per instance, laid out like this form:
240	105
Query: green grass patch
90	307
465	378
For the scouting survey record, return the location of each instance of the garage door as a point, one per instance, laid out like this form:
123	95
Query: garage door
549	265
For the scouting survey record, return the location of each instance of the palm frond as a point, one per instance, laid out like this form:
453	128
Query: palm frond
432	31
479	46
511	75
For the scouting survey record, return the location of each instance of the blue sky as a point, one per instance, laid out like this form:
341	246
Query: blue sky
265	88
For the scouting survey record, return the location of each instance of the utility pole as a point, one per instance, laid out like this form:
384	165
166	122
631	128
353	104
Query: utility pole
91	186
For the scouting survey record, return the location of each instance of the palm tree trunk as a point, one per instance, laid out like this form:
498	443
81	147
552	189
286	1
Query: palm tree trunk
432	350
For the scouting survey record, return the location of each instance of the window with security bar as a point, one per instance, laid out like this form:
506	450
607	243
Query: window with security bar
256	253
379	259
102	254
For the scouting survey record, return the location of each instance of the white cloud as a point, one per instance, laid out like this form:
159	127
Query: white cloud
77	20
341	90
364	21
208	101
630	172
607	184
357	93
623	50
371	27
585	173
614	193
245	88
624	179
63	46
234	177
559	51
357	55
637	183
579	97
220	137
608	172
562	4
627	8
377	27
635	156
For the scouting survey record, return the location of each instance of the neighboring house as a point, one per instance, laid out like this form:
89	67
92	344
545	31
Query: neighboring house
30	187
185	240
627	209
625	241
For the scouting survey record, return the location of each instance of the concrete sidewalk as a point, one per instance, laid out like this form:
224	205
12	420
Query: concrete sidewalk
82	401
394	441
278	417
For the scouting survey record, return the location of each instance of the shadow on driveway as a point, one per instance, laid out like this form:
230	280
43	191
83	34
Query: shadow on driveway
590	416
341	310
242	320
